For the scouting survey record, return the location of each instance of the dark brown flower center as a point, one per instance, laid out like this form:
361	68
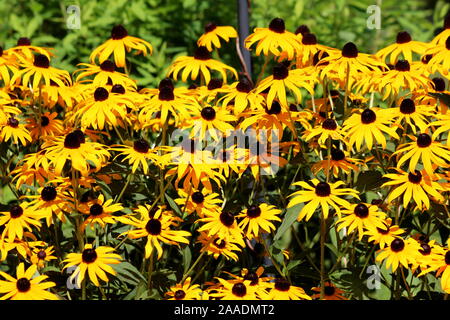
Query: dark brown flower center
118	88
239	289
44	121
118	32
383	231
24	41
368	116
426	58
210	27
447	43
361	211
198	197
253	211
425	249
447	258
319	55
153	227
13	122
23	285
350	50
48	193
277	25
166	82
215	84
253	277
219	243
107	65
41	255
329	124
403	37
402	65
415	177
438	84
244	85
1	51
282	285
72	141
179	295
329	290
15	212
337	155
447	21
274	109
96	209
208	113
166	94
101	94
293	107
397	245
303	29
423	140
201	53
227	218
309	39
407	106
89	255
323	189
41	61
280	72
141	146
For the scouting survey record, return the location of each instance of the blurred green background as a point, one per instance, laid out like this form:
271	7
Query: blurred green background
173	26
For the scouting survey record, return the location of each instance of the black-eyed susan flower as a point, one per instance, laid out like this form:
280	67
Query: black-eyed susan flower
441	264
200	64
444	34
275	39
368	127
200	202
8	66
414	185
40	256
257	219
76	148
33	73
405	46
340	161
423	148
283	290
243	97
103	74
96	261
441	56
101	212
211	122
24	49
120	42
26	286
331	292
157	227
329	129
400	252
219	247
320	194
137	155
19	218
47	126
359	217
52	201
231	290
385	235
213	34
185	291
282	79
222	224
15	131
412	115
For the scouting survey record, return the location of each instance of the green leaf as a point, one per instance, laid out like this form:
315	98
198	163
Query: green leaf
187	258
128	273
173	205
369	180
289	218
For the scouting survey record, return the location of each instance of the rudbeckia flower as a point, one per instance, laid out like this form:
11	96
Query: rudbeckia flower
15	131
274	39
41	256
96	261
51	202
219	247
320	194
8	65
425	149
359	217
156	226
340	161
74	147
283	290
213	33
201	63
224	225
281	79
40	71
258	218
385	235
185	291
231	290
329	129
399	253
138	155
331	292
17	219
415	185
100	212
444	34
211	121
408	113
310	47
24	49
404	45
441	264
103	74
117	44
243	97
25	287
200	202
47	126
368	127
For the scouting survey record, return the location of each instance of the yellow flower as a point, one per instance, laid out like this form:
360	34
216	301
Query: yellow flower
399	253
185	291
283	290
404	45
17	219
213	33
15	131
137	155
258	217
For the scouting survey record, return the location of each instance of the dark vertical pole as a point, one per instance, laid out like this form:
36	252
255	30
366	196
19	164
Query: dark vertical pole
243	32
